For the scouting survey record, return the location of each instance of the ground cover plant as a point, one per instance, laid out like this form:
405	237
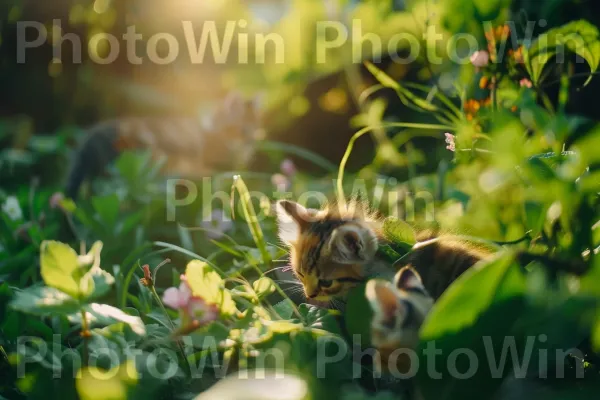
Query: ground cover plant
150	287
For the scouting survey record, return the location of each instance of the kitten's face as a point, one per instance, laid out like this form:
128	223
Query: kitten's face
399	311
328	254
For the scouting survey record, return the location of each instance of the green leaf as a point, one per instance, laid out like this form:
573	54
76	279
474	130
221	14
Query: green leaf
107	208
399	232
59	267
44	300
97	384
95	283
320	318
104	315
250	217
263	286
579	37
471	294
361	314
208	284
285	308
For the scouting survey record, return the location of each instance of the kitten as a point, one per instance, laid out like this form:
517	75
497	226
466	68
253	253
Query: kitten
335	249
399	309
192	147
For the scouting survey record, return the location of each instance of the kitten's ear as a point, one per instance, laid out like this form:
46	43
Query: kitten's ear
292	219
408	278
352	243
384	301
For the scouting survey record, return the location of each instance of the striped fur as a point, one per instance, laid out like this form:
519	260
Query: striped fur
190	147
399	310
340	242
331	250
442	259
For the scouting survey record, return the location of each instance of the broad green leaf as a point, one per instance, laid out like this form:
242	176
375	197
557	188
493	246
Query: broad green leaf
579	37
263	286
471	294
361	314
93	383
59	267
399	232
208	284
44	301
107	208
104	315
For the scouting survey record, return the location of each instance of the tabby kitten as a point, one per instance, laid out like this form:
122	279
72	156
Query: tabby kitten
334	249
192	147
399	310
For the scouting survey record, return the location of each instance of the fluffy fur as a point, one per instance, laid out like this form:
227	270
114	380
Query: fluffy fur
334	249
399	310
331	250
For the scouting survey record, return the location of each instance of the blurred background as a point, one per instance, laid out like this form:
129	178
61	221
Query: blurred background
306	103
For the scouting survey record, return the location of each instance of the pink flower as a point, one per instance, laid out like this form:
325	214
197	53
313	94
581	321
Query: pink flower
193	309
217	225
281	182
287	167
480	58
450	141
525	83
55	199
178	298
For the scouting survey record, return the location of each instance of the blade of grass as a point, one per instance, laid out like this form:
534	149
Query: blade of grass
316	159
190	254
250	216
340	178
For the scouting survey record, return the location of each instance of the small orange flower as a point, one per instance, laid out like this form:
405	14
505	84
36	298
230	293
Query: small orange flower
502	32
518	55
513	109
472	106
483	82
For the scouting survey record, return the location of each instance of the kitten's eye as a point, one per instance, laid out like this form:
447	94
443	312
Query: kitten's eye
325	283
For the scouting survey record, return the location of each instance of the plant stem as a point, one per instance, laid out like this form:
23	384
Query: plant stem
164	310
85	334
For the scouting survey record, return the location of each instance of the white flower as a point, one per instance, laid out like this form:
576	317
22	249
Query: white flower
450	141
12	208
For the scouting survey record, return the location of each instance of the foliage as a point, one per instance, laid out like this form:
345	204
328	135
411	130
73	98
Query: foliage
519	175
